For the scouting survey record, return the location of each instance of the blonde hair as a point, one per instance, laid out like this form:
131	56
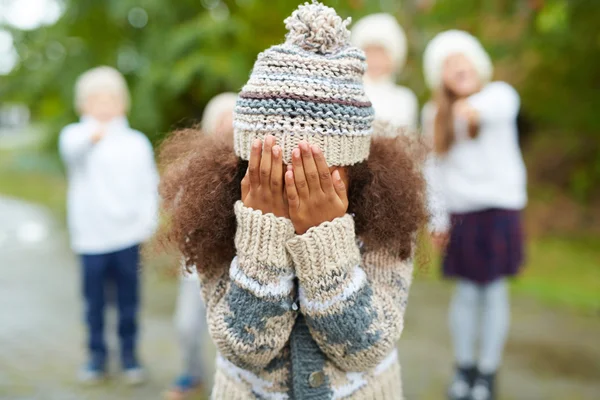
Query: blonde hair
101	79
214	110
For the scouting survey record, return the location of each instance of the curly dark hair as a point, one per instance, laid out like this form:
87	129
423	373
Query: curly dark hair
201	183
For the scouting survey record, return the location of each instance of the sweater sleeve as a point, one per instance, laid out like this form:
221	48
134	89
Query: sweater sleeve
74	142
412	105
354	307
497	101
148	183
249	309
439	220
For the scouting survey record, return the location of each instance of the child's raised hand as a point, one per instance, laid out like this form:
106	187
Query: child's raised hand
262	187
314	194
440	240
463	110
98	135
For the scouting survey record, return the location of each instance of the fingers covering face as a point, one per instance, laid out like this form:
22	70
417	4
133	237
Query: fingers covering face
323	170
265	163
254	163
276	170
291	190
310	168
298	174
339	186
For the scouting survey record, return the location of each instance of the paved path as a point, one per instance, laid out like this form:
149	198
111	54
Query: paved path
551	354
41	330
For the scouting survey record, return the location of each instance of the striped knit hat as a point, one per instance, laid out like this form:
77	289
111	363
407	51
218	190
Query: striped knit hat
308	88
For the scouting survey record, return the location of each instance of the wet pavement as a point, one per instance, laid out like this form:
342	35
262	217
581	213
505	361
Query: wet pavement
41	324
551	354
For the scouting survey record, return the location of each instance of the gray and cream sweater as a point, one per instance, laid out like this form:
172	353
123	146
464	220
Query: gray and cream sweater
306	316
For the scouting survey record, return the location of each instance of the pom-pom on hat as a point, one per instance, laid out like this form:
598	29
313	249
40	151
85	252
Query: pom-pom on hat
382	30
451	42
308	88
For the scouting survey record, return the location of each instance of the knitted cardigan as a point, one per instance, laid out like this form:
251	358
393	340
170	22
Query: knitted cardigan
305	316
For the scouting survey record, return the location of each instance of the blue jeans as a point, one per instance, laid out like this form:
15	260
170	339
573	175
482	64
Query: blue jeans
120	270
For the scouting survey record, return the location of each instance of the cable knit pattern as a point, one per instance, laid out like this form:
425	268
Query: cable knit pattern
308	88
339	343
262	256
260	279
353	315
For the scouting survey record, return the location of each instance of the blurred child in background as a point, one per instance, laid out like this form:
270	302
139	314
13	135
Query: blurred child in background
478	178
112	204
190	315
298	306
384	43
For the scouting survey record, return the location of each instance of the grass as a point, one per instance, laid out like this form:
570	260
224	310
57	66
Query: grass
563	271
35	178
560	270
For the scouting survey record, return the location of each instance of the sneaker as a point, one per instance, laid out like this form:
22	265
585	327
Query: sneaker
134	375
460	388
91	374
483	389
184	387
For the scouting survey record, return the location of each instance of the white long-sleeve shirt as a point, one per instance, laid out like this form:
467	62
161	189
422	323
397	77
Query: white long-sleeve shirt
113	186
395	104
485	172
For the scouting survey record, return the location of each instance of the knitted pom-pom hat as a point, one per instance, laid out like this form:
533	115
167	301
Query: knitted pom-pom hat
308	88
381	30
452	42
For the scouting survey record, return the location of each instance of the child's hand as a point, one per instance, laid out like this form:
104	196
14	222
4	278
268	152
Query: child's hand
440	240
98	135
314	194
262	187
463	110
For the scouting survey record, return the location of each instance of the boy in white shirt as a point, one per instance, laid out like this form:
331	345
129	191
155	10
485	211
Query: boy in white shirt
112	205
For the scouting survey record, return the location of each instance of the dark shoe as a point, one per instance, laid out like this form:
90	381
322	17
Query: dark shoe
460	388
484	387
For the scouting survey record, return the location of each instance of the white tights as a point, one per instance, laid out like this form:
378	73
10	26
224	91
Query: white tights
473	302
190	322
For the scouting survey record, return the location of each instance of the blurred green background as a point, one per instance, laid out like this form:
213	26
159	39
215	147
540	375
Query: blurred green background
176	55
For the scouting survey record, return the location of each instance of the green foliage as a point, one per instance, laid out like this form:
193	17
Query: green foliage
178	54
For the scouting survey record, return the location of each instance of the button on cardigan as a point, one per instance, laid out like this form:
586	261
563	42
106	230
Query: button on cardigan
338	343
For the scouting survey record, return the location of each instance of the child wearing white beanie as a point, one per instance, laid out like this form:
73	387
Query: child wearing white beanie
478	188
384	43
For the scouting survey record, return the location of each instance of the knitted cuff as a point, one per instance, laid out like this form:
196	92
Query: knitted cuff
326	259
262	265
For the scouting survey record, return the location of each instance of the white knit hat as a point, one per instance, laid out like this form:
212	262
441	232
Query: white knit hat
213	112
451	42
381	30
100	79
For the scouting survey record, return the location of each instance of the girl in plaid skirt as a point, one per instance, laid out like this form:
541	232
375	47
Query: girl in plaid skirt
477	188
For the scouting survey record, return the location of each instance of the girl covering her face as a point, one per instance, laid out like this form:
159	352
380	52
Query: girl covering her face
301	227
